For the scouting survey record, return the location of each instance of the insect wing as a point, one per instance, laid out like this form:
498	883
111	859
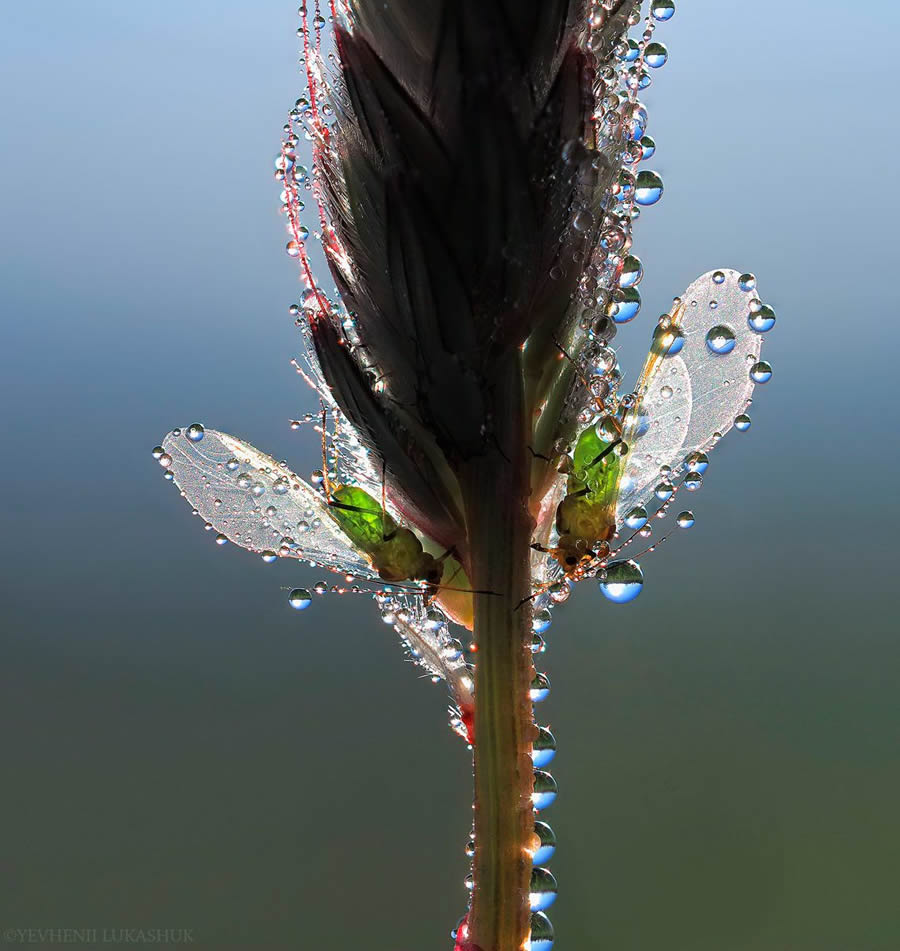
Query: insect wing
693	387
655	431
258	503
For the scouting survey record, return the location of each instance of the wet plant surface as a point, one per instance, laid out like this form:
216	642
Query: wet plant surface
726	739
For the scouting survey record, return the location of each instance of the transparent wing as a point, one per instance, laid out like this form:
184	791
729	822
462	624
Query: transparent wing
259	503
691	390
655	432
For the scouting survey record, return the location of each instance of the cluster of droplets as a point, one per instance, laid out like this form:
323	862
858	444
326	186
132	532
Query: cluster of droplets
617	144
543	886
617	418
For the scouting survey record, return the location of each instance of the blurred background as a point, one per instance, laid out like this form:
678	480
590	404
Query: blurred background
182	750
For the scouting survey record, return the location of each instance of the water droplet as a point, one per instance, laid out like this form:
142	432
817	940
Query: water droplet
761	320
664	491
545	790
648	147
300	599
281	485
632	272
685	519
541	621
761	372
636	518
667	340
221	539
232	465
543	889
667	392
244	481
292	248
623	582
165	460
648	187
560	592
157	452
608	428
627	305
545	850
544	748
257	490
655	55
747	282
697	462
195	432
632	50
583	220
742	423
720	340
693	481
269	556
540	688
541	933
662	9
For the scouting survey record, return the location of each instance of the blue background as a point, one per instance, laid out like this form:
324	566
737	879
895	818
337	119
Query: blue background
183	750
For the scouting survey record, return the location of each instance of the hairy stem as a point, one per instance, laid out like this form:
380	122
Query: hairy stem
495	489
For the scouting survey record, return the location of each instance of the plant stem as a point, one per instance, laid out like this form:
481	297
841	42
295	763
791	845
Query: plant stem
496	488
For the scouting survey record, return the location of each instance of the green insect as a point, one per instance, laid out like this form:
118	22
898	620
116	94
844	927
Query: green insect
395	552
586	517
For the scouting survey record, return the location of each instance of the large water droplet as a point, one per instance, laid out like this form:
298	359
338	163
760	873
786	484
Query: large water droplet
543	889
540	687
300	599
693	481
541	620
632	272
541	933
545	790
762	320
761	372
547	848
195	432
623	581
655	55
668	340
697	462
628	305
720	340
544	748
747	282
664	491
742	423
648	187
663	9
685	519
636	518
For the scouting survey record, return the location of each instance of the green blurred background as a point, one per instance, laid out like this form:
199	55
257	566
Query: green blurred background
182	750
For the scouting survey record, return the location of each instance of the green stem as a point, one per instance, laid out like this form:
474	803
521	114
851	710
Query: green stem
495	489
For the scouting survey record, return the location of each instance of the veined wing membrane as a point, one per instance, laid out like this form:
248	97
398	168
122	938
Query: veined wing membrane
258	503
690	393
655	431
